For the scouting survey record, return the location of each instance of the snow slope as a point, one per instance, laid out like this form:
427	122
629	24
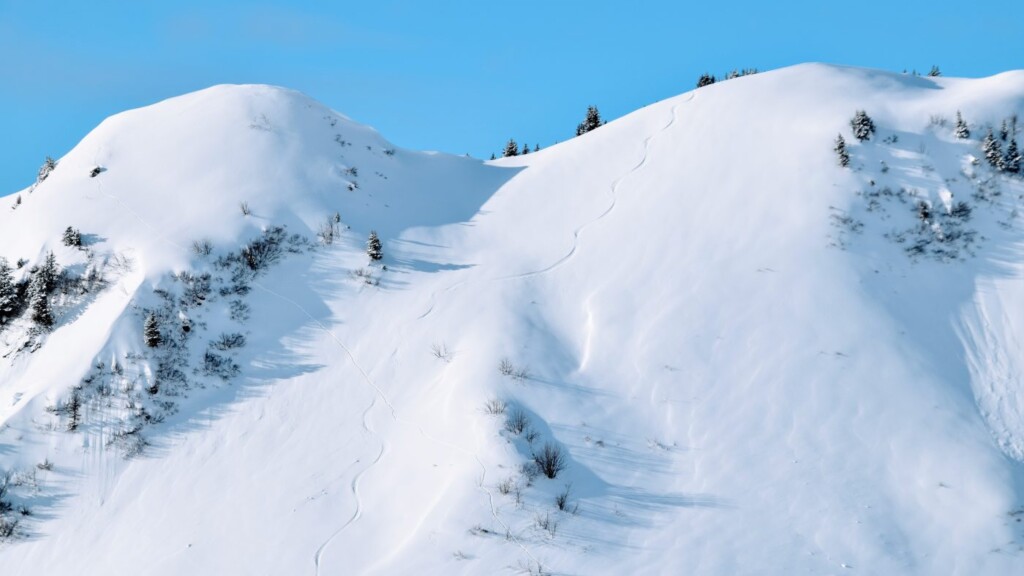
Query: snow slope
747	364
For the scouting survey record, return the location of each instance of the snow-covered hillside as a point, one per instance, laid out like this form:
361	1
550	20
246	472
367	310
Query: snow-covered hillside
748	358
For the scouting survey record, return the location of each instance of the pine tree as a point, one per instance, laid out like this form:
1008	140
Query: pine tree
526	149
492	156
840	149
705	80
72	237
48	165
8	292
511	148
591	122
49	272
39	302
1012	158
934	72
862	125
374	249
962	131
151	331
993	151
74	410
536	147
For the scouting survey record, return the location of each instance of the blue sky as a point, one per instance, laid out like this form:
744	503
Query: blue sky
456	76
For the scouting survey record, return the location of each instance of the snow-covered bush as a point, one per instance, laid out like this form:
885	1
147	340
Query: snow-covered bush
705	80
151	331
516	422
44	171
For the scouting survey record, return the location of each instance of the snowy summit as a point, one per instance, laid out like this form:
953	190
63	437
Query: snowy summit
769	326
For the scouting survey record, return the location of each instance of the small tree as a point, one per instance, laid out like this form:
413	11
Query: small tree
39	302
862	125
48	272
8	292
511	148
705	80
993	151
374	248
151	331
840	149
591	122
962	131
44	171
72	237
934	72
74	410
526	149
1012	158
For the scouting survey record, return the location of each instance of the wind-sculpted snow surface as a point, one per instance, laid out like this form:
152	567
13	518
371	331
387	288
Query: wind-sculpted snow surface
688	341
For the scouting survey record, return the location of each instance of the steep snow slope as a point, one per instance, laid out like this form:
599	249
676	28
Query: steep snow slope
755	360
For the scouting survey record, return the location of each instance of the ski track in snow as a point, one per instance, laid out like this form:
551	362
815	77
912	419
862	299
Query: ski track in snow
613	196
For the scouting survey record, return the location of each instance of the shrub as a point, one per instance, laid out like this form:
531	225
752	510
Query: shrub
202	247
550	460
516	422
244	207
441	352
495	406
229	341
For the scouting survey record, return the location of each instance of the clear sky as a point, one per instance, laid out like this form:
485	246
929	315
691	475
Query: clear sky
459	76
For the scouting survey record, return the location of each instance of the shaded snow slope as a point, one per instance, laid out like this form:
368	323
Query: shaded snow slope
754	360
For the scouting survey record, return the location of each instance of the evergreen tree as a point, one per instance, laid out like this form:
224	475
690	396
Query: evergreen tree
511	148
1012	158
840	149
526	148
72	237
48	165
934	71
151	331
536	147
591	122
49	272
39	302
862	125
705	80
374	249
1004	131
74	410
993	151
962	131
8	292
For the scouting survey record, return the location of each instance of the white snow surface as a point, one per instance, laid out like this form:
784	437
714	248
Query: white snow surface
741	385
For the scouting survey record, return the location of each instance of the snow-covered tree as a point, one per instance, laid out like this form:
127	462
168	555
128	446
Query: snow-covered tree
1012	158
993	151
862	125
374	248
72	237
935	71
48	272
151	331
591	122
39	301
511	148
962	131
48	165
8	292
705	80
840	149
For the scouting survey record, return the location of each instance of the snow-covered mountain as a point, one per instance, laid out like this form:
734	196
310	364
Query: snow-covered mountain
734	355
